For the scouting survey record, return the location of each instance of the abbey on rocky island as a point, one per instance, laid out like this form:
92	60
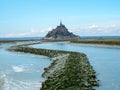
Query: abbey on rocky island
61	32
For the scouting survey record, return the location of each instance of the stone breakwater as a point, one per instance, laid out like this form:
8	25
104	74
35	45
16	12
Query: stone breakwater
68	70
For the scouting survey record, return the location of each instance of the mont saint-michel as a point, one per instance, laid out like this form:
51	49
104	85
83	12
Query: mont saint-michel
61	32
80	52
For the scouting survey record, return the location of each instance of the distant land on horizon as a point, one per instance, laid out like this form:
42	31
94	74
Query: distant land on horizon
39	38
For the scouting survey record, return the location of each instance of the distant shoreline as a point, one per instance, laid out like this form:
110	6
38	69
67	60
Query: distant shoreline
99	42
14	41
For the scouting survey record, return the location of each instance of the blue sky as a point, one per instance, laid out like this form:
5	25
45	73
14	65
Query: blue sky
20	18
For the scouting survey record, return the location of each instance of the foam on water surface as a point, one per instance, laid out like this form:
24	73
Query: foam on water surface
7	83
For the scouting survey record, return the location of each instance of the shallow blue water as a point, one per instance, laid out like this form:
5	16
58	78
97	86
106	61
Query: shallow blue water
105	61
20	71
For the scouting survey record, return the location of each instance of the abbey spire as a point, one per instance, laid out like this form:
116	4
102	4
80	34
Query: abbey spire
61	23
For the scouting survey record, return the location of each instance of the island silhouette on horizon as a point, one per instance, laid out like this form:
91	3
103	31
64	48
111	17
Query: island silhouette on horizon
61	32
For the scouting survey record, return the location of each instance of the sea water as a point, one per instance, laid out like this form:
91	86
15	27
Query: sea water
21	71
104	59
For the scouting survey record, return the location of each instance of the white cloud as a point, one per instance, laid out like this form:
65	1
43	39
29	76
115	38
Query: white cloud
93	26
32	32
94	30
86	30
49	29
